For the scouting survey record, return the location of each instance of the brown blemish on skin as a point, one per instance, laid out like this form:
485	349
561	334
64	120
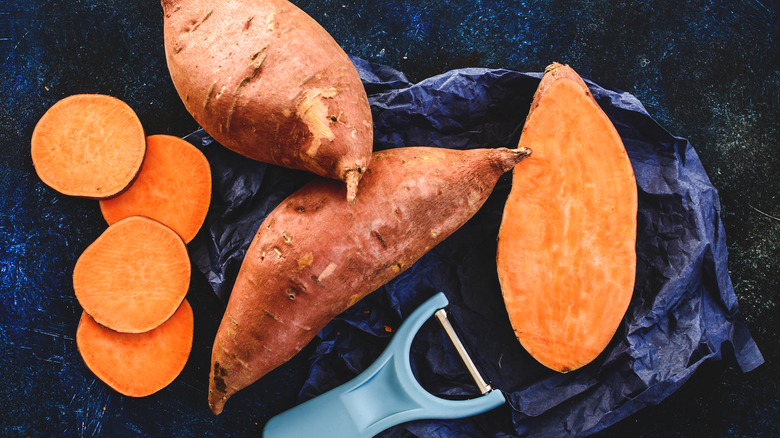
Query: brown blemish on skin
248	22
208	95
270	22
379	237
272	315
231	111
219	381
233	329
256	54
297	285
219	384
197	25
305	261
257	62
306	79
221	92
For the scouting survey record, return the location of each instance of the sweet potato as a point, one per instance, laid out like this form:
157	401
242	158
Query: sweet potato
315	255
133	276
173	187
566	250
137	364
88	145
267	81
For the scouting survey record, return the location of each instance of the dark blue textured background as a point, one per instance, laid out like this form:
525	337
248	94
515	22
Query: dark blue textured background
707	71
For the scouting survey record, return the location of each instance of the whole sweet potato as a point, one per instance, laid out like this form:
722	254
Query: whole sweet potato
315	255
267	81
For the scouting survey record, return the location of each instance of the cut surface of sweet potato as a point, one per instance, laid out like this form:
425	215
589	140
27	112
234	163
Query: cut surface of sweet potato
137	364
88	145
173	187
566	250
134	276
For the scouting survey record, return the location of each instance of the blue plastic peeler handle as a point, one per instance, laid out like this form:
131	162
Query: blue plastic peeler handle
385	394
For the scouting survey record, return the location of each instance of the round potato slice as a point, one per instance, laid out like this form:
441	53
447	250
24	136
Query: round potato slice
137	364
88	145
134	276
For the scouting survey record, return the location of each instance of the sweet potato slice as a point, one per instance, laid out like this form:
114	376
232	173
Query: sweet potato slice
566	250
88	145
134	276
316	255
173	187
137	364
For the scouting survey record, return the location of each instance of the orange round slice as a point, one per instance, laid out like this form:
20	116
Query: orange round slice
134	276
88	145
137	364
173	187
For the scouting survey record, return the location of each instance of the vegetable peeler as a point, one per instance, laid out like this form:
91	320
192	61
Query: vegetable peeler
386	393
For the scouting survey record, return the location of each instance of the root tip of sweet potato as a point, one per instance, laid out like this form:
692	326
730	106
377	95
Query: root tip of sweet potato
552	66
507	159
216	402
352	177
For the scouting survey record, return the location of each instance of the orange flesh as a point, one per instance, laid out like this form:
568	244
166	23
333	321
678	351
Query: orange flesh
88	145
173	187
566	252
137	364
134	276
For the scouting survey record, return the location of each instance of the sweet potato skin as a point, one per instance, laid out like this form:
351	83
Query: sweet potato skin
315	255
267	81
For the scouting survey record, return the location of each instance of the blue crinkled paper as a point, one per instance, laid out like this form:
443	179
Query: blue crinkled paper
683	311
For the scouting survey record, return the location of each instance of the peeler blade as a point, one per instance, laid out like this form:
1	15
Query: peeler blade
441	316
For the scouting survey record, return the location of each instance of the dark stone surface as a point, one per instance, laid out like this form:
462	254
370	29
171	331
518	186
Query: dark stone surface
706	70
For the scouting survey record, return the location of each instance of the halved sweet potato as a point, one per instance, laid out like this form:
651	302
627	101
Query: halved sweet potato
566	250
